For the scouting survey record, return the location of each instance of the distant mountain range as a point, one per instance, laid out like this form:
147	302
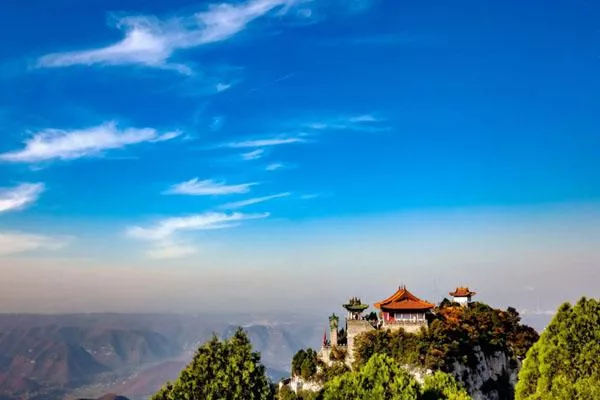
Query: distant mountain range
109	397
44	357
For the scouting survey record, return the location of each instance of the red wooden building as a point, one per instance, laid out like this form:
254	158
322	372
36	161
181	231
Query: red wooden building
404	309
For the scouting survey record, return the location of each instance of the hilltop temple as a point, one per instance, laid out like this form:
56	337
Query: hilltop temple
402	310
462	295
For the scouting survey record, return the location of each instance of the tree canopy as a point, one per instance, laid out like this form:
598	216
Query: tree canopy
304	363
382	378
442	386
221	370
453	334
565	362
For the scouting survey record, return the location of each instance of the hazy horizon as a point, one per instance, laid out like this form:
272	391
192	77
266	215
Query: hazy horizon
273	156
530	260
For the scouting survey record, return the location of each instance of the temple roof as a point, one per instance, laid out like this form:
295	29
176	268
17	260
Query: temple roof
403	300
462	292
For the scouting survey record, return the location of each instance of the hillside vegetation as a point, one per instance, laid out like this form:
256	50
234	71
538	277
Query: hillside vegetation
382	378
565	362
454	335
456	342
221	369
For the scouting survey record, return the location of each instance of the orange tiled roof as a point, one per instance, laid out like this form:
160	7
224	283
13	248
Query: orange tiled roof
462	292
403	300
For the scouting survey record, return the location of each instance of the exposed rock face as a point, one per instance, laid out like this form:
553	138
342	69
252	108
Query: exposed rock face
297	383
418	373
491	378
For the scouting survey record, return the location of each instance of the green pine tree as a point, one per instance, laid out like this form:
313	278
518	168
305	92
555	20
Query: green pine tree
221	370
442	386
381	378
565	362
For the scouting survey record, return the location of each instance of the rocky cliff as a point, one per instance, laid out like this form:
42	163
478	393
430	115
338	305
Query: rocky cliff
492	377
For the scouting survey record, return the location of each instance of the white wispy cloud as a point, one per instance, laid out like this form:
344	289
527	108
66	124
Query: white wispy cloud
221	87
208	187
150	41
274	166
253	155
255	200
364	118
166	228
166	136
265	142
20	196
14	243
310	196
71	144
363	122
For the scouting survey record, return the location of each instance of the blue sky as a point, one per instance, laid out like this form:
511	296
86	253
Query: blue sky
176	134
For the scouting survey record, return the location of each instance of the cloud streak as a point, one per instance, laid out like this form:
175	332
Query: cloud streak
14	243
61	144
208	187
253	155
310	196
151	42
265	142
166	228
20	196
255	200
274	166
361	123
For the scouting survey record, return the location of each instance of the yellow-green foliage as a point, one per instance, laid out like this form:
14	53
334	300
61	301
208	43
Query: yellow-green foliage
287	394
329	372
565	362
382	378
443	386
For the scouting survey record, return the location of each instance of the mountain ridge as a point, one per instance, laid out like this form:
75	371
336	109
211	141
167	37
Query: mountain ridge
74	356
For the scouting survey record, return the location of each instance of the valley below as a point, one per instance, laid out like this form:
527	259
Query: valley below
47	357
